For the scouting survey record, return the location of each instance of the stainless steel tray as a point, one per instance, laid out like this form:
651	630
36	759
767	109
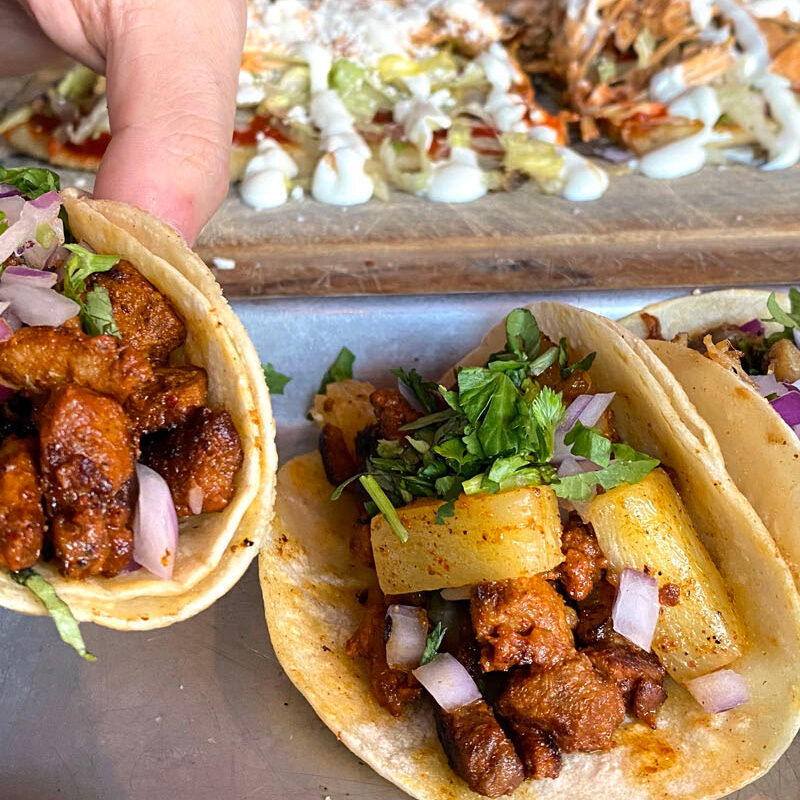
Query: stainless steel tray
202	710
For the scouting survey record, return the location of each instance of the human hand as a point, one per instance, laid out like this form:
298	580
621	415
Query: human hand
171	71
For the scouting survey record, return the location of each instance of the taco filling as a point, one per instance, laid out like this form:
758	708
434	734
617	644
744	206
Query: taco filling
537	578
770	363
106	437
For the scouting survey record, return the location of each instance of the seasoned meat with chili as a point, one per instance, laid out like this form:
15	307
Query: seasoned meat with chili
478	749
144	317
16	416
538	752
199	457
783	359
584	562
166	401
22	522
594	617
571	701
652	326
36	360
520	621
638	676
88	457
337	460
393	411
393	688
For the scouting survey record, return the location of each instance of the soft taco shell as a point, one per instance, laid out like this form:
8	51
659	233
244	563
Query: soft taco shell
310	584
761	452
214	549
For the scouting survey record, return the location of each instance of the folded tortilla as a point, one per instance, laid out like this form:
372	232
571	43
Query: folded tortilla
214	549
310	585
761	452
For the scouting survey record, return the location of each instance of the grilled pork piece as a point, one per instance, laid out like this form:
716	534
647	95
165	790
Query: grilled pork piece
88	457
393	411
22	522
167	400
337	460
538	752
584	561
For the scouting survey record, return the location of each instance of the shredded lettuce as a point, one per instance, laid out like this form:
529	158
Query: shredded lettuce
360	98
395	67
537	159
413	180
276	381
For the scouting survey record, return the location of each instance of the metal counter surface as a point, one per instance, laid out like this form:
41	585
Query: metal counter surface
202	710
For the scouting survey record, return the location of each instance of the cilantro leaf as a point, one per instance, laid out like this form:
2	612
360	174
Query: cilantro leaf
522	333
31	181
541	363
491	403
445	510
384	506
563	361
545	413
97	315
276	381
65	622
341	369
789	319
432	643
425	391
589	443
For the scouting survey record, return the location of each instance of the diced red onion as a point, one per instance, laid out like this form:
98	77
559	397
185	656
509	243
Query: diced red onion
753	326
6	331
7	190
12	205
20	236
409	396
450	685
796	336
767	385
131	566
37	306
788	407
636	607
585	408
457	593
575	466
155	525
31	277
12	320
195	496
719	691
46	200
408	629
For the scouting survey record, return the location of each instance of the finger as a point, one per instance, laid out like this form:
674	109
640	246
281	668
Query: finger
172	74
24	46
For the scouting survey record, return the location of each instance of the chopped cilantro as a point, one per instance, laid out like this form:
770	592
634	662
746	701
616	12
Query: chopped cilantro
65	622
384	506
425	391
30	181
341	369
447	509
432	643
96	312
276	381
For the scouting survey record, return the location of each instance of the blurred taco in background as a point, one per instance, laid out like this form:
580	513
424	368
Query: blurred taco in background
531	576
136	438
735	353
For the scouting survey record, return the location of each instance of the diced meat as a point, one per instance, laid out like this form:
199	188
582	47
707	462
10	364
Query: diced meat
88	457
584	562
337	460
166	401
783	359
478	749
198	460
594	617
459	637
361	544
652	326
16	416
22	521
638	676
393	688
571	701
144	317
538	752
579	382
520	621
36	360
393	411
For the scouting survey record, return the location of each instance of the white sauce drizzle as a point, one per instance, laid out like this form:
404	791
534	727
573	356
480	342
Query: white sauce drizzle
582	180
248	92
506	110
785	150
266	176
668	84
774	8
459	179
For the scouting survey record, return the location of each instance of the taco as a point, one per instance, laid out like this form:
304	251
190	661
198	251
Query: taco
536	578
137	454
735	353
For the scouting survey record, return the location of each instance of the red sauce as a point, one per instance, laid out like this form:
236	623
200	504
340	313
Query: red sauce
265	126
92	148
43	123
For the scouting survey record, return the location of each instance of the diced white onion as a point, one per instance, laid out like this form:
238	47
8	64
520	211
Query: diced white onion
575	466
719	691
155	525
407	633
195	496
796	335
456	593
450	685
38	306
409	396
31	277
636	607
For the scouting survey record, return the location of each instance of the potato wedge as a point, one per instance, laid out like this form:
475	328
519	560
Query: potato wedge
646	526
490	537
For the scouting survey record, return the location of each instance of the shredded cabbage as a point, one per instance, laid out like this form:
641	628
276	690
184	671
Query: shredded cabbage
77	84
292	89
395	67
746	108
405	180
460	134
360	98
537	159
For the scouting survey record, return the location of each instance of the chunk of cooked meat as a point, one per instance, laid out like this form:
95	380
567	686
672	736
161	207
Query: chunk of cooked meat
572	701
538	752
579	382
198	460
393	688
783	359
520	621
88	456
393	411
22	522
166	401
361	544
594	617
478	749
652	326
584	562
16	416
638	676
337	460
144	317
38	359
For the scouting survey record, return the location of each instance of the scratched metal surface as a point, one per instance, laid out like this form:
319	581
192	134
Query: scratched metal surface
202	710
